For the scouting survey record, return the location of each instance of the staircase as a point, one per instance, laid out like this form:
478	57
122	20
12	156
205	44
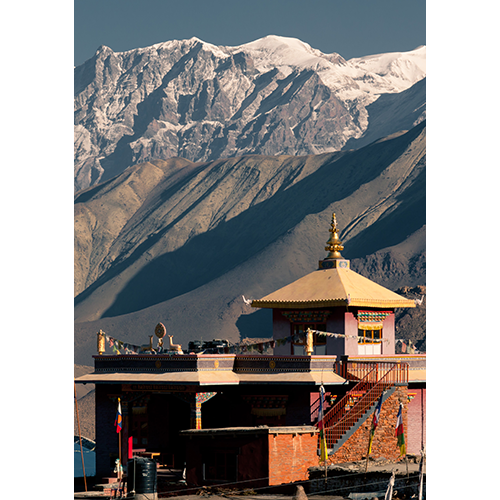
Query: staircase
372	380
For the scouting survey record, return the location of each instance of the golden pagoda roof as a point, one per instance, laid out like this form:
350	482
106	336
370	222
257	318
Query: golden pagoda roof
333	284
333	287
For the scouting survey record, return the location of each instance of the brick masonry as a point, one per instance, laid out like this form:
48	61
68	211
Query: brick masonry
290	456
384	441
265	455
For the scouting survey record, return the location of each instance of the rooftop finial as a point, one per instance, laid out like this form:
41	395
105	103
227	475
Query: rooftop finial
334	245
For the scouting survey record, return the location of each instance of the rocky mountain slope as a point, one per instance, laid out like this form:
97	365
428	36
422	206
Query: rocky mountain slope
411	323
85	394
181	242
274	96
86	416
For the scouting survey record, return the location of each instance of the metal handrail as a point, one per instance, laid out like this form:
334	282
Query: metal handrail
349	371
373	380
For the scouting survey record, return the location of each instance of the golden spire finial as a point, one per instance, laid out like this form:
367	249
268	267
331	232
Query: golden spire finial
334	245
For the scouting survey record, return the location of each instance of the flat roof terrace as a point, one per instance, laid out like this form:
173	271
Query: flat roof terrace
236	369
213	369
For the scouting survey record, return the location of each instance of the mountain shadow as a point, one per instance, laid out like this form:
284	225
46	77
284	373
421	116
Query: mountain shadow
395	227
231	243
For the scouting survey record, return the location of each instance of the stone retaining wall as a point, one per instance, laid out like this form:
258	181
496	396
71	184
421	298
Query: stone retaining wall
384	441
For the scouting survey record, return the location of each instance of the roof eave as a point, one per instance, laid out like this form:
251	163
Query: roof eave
304	304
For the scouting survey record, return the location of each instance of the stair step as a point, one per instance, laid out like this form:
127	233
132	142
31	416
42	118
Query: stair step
339	442
109	480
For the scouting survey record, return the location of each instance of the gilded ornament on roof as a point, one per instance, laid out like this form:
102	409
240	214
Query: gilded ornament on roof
160	330
334	245
101	342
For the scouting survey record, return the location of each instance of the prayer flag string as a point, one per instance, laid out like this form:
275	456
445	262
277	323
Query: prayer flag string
120	347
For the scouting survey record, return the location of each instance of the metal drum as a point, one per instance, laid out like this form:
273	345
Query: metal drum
142	478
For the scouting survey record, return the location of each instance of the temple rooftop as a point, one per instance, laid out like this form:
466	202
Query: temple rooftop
333	284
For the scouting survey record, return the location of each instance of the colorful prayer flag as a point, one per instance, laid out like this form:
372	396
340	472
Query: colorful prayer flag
376	416
322	436
118	418
400	431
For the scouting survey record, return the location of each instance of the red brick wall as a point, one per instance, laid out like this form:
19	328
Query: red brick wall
416	421
290	456
252	457
384	441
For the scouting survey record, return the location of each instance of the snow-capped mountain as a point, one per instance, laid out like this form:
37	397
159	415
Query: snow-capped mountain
273	96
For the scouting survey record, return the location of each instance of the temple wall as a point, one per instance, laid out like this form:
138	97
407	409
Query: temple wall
106	435
416	420
351	328
339	321
281	329
388	333
246	454
335	324
298	410
260	458
290	456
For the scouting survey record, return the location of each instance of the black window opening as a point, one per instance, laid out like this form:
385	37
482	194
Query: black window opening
139	428
299	331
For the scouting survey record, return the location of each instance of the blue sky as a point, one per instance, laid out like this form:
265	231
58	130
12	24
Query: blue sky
351	28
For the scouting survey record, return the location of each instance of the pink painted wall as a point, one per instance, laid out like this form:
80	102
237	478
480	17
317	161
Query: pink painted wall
416	421
335	324
388	333
339	321
351	328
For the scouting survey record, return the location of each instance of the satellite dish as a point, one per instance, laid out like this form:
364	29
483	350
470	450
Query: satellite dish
160	330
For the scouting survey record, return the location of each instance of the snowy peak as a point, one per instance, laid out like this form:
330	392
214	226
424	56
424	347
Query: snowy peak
404	67
380	63
198	101
103	49
277	51
273	43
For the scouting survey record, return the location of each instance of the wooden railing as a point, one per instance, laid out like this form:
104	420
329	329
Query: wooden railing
373	379
358	370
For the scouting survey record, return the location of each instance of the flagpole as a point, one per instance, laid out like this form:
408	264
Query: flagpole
322	435
376	416
119	452
406	454
401	436
368	451
421	478
120	456
390	487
